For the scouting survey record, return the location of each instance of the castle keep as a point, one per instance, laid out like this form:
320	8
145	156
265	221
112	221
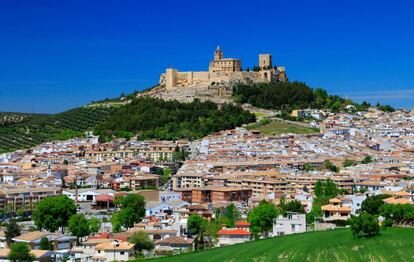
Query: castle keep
223	72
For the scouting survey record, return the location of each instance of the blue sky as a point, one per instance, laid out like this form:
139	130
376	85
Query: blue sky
56	55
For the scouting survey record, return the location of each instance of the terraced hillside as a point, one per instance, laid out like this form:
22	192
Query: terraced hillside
35	130
9	118
393	244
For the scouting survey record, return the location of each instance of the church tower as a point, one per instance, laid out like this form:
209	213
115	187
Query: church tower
218	54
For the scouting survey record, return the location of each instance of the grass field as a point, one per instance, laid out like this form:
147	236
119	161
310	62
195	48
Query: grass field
393	244
276	127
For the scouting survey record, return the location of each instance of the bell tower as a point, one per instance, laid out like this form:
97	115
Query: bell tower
218	54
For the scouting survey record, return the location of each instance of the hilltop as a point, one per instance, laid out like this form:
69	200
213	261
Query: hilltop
393	244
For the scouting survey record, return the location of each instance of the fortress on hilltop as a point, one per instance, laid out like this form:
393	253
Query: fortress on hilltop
225	70
216	83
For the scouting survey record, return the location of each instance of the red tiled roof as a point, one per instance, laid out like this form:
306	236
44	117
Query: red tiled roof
104	198
237	232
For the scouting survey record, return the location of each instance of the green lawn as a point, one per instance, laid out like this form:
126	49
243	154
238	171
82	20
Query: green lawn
393	244
276	127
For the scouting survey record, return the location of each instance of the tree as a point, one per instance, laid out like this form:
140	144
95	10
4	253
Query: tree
400	214
330	189
308	167
372	205
12	230
364	224
54	212
293	206
331	167
261	218
318	188
78	226
232	215
367	159
94	225
166	174
141	241
20	252
132	211
348	163
195	224
45	244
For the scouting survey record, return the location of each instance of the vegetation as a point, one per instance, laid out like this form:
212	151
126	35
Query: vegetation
277	127
35	130
78	225
132	211
45	244
94	225
348	163
232	215
364	225
327	164
373	204
399	214
287	96
9	118
141	241
21	252
292	206
12	230
324	190
152	118
195	224
53	213
393	244
261	218
367	159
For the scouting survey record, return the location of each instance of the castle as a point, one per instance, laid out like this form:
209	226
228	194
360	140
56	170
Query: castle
223	72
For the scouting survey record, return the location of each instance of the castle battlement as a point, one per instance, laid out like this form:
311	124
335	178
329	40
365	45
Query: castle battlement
224	71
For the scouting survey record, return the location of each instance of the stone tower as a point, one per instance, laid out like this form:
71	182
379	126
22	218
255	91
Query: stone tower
218	54
265	61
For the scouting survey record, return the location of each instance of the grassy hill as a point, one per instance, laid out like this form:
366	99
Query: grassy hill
393	244
277	127
31	131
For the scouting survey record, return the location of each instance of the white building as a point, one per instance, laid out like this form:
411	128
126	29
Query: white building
291	223
114	250
231	236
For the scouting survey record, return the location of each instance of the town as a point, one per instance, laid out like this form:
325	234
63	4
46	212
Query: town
204	193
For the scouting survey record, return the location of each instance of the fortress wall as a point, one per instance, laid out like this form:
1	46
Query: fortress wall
201	75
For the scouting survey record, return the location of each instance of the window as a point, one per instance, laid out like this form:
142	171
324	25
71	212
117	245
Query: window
122	252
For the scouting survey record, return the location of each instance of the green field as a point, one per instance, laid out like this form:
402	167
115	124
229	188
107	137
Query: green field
276	127
393	244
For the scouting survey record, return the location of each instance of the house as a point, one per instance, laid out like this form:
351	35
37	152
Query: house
243	225
335	210
59	241
231	236
291	223
87	195
113	250
153	208
40	255
354	202
174	245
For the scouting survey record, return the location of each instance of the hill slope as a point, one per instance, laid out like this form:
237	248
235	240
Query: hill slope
36	130
394	244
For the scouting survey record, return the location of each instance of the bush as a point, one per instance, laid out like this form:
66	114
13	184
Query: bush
364	225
